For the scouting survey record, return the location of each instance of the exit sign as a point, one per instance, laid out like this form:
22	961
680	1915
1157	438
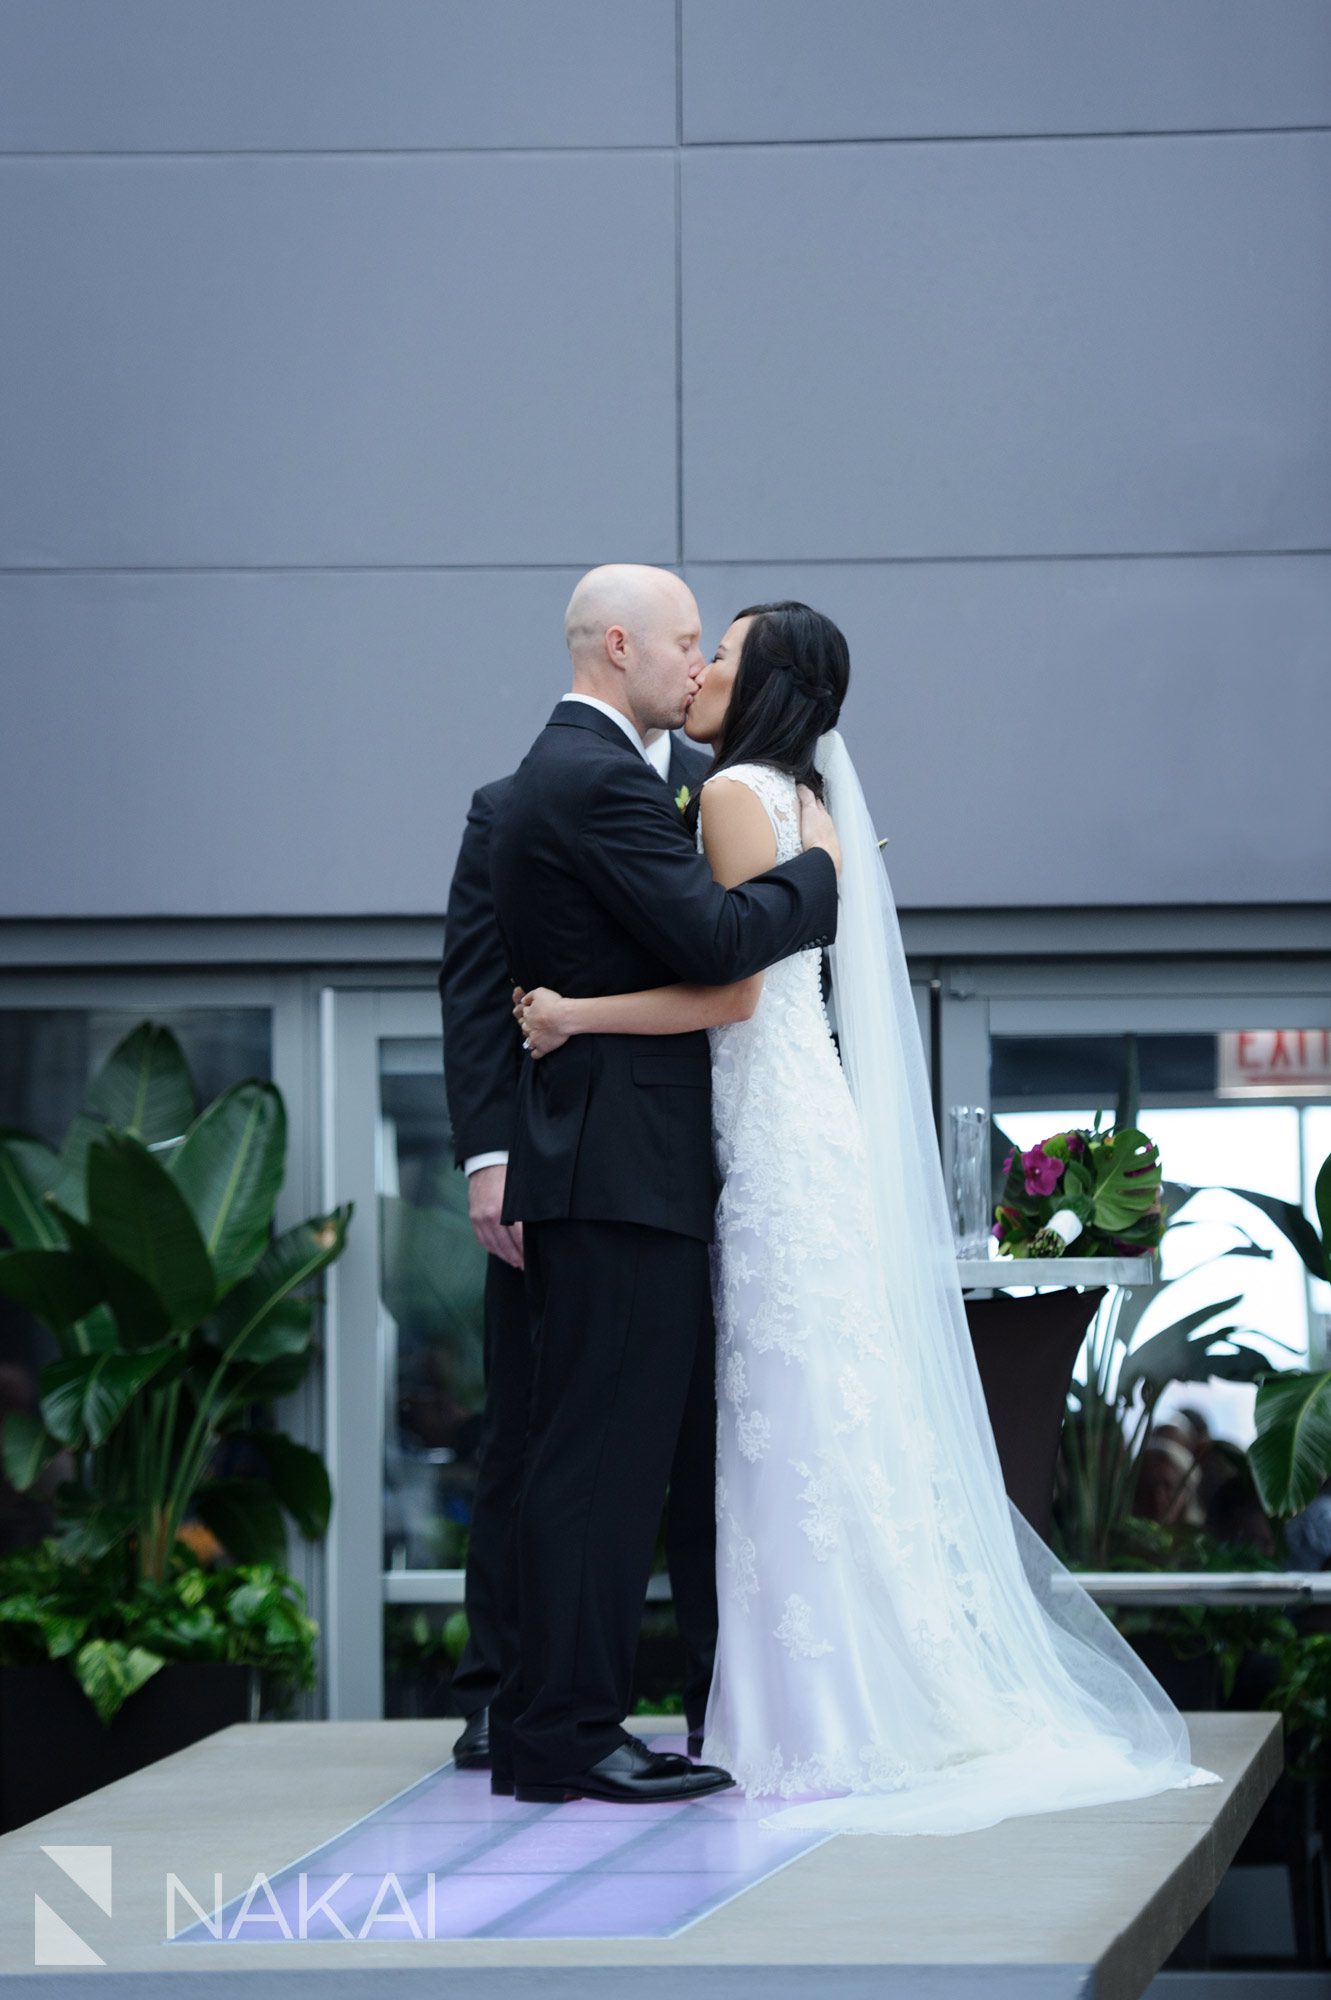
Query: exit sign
1274	1062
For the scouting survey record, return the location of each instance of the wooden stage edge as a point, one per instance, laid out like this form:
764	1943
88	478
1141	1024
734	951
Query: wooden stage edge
1087	1902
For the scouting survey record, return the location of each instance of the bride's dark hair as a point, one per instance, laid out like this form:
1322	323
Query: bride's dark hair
794	667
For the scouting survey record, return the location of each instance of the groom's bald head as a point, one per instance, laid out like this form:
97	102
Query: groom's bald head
632	596
632	633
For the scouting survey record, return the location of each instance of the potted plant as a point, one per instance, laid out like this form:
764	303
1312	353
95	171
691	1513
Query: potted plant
146	1247
1101	1191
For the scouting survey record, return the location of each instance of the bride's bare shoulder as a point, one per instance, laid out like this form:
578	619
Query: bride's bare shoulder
737	831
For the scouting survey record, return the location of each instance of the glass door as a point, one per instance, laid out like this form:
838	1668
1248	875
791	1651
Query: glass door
404	1319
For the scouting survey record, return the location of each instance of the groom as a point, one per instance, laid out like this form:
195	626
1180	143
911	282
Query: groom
599	888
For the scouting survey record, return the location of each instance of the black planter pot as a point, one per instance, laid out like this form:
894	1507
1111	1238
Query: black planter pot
54	1747
1025	1350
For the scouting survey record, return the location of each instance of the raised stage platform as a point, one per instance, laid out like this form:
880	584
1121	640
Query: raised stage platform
561	1900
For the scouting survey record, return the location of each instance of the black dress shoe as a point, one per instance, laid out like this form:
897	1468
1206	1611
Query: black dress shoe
471	1752
631	1775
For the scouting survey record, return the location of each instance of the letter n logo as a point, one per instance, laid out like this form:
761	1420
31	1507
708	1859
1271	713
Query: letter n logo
54	1941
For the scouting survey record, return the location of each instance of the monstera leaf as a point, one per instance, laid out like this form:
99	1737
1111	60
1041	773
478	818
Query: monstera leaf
1129	1184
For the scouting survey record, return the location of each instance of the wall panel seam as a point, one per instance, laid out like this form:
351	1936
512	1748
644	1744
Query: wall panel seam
998	138
691	562
658	147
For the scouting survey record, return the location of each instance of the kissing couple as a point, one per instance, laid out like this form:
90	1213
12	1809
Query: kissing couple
694	1149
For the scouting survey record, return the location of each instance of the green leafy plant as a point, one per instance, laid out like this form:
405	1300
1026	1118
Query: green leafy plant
52	1608
1111	1410
146	1246
1291	1453
1223	1633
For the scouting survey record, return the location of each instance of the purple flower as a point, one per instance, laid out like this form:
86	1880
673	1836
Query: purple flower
1042	1171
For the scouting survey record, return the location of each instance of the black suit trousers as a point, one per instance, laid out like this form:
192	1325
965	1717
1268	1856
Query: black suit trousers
619	1312
491	1592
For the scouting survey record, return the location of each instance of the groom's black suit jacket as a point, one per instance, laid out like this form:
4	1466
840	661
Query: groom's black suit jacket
483	1057
599	888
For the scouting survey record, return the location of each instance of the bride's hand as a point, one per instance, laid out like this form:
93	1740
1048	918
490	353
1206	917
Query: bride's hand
541	1016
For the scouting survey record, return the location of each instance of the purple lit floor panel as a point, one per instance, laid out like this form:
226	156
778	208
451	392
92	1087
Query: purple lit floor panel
445	1859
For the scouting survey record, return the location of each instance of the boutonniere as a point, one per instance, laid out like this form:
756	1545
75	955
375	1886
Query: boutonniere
682	797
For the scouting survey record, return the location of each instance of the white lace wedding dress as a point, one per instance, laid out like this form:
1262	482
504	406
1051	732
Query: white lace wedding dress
887	1654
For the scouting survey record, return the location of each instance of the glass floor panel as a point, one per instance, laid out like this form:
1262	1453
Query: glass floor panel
446	1859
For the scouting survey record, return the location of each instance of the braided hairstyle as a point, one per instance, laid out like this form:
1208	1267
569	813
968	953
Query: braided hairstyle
791	680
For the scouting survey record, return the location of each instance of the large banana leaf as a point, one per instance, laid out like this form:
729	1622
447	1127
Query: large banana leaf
290	1259
1287	1216
28	1172
299	1478
1322	1202
142	1217
137	1311
84	1396
270	1381
87	1533
71	1190
284	1330
1179	1354
54	1284
26	1446
230	1170
1126	1188
1291	1453
144	1086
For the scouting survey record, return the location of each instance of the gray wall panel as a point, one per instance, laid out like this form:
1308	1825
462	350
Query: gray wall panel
460	359
1107	346
261	745
230	75
870	69
1048	733
339	430
1059	733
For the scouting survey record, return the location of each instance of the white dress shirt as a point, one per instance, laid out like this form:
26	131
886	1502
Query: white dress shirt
657	755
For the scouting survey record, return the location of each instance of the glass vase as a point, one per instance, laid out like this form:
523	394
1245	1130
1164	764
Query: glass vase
971	1204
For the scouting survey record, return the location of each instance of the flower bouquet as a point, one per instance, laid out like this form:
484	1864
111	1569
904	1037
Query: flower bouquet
1099	1190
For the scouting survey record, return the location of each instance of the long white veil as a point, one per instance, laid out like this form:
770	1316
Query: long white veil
1092	1723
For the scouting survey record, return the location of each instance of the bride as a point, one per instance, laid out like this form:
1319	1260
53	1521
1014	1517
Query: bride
899	1651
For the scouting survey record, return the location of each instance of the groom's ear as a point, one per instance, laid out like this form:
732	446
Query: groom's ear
618	645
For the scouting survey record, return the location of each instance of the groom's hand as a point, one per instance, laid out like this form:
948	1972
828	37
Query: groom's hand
816	828
485	1201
